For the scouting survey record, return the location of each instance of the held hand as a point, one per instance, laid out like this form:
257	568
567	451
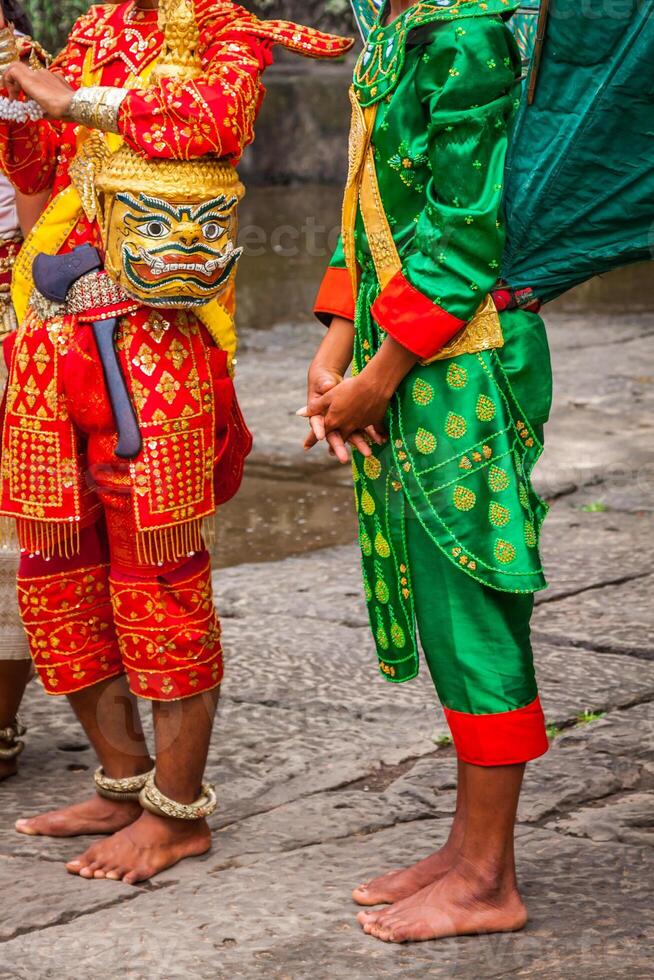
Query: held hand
321	379
353	406
336	443
52	93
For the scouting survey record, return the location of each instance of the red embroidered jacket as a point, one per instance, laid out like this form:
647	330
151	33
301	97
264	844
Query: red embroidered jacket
213	114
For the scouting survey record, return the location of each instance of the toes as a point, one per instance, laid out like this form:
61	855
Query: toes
382	932
366	918
89	870
382	916
368	923
26	827
366	896
83	861
138	874
75	866
116	874
383	925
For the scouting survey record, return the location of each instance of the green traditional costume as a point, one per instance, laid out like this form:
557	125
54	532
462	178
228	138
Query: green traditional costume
449	521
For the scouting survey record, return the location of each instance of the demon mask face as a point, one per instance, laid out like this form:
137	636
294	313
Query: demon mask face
171	254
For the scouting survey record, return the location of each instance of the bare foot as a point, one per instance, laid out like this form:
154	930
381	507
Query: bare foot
142	850
94	816
396	885
463	902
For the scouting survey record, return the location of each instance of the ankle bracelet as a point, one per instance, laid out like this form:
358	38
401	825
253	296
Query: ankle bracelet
125	788
152	799
11	745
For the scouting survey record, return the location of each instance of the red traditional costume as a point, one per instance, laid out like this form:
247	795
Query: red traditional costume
115	576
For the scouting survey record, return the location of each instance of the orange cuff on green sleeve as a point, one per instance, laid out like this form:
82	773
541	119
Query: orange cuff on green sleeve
335	296
411	318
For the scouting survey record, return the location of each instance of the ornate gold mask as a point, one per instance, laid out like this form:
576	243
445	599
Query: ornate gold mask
171	253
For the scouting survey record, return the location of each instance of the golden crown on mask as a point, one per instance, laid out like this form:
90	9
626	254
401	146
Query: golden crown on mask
186	180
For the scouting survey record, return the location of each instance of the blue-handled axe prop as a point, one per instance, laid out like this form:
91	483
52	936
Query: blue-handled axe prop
53	277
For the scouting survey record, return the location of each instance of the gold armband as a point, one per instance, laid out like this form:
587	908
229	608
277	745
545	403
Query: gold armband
8	47
97	107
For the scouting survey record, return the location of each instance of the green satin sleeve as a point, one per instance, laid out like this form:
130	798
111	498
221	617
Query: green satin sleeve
466	83
337	260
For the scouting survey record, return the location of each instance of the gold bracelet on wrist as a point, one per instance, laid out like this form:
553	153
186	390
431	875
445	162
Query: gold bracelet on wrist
97	107
8	47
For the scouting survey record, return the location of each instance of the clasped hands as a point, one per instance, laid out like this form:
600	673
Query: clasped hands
344	410
352	410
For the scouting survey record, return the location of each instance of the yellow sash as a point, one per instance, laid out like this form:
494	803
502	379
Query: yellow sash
483	331
65	210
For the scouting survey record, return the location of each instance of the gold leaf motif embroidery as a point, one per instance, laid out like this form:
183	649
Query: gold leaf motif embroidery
422	392
146	360
177	353
397	636
168	387
31	392
382	640
455	426
382	546
457	376
372	468
498	515
530	534
381	591
504	551
498	479
425	441
464	499
22	359
157	326
485	409
41	358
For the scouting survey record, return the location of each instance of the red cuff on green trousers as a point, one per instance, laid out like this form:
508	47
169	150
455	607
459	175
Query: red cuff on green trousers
335	296
504	739
411	318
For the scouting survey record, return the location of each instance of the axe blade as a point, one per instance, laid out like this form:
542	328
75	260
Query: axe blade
55	274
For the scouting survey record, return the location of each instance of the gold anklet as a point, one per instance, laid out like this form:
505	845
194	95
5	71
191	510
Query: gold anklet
10	744
156	802
125	788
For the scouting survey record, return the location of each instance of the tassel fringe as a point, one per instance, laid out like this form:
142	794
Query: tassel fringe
159	546
48	539
169	544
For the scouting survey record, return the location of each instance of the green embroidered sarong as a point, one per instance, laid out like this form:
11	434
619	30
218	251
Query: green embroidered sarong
464	436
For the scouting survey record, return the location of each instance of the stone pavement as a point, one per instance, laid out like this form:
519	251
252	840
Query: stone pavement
327	774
